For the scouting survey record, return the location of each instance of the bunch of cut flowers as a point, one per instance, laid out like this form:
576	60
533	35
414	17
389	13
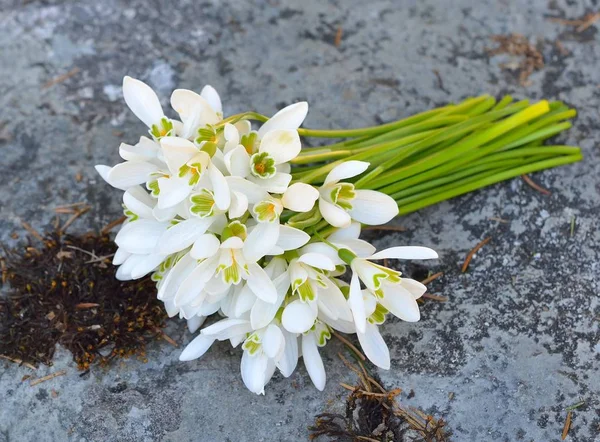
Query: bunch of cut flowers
233	217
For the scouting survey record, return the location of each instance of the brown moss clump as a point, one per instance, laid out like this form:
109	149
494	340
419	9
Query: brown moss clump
64	291
372	414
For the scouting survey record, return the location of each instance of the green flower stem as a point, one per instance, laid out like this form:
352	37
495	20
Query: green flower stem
519	135
446	194
455	176
459	149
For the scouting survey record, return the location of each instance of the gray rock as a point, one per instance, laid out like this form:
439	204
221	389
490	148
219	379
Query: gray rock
516	343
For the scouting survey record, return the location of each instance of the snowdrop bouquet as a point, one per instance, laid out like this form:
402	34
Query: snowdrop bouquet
243	221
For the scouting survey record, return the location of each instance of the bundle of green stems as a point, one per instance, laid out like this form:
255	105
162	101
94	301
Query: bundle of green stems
442	153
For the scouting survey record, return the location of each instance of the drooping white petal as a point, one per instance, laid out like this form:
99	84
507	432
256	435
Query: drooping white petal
372	207
166	214
212	97
238	206
334	215
278	183
243	300
237	162
137	200
124	271
362	249
205	246
142	101
323	249
244	127
414	287
272	341
195	322
350	232
177	152
333	300
173	190
253	192
130	173
180	271
347	169
260	241
196	349
283	168
140	236
187	103
260	284
406	252
231	134
300	197
400	302
145	150
262	312
374	346
281	145
357	304
192	288
312	361
276	267
253	368
298	317
220	187
227	328
289	118
148	264
338	324
182	235
289	359
291	238
103	171
317	260
120	256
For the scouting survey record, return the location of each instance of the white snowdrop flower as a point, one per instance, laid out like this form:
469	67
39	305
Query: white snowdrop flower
398	295
315	292
221	266
263	349
341	202
144	103
199	114
344	238
311	341
262	156
137	238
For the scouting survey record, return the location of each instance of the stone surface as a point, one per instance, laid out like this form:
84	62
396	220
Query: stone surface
518	340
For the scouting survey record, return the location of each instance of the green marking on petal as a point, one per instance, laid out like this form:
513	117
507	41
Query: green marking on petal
207	134
252	344
194	171
235	228
203	203
385	274
322	332
304	290
131	216
152	186
250	142
156	277
162	129
262	165
266	211
342	194
378	316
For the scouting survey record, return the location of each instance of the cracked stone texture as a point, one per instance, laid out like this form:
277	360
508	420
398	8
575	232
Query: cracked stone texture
518	339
